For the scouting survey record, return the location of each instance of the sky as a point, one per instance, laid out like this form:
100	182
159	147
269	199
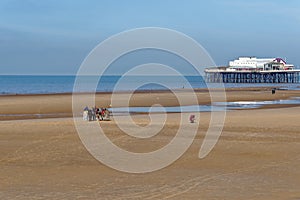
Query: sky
55	36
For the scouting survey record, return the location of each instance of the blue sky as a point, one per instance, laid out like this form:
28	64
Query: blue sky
54	36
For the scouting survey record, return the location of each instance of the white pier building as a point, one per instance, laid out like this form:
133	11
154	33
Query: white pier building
254	70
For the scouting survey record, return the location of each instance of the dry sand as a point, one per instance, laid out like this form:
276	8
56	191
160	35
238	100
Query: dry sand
257	156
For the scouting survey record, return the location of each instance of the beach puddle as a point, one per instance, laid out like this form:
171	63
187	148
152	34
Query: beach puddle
256	104
218	106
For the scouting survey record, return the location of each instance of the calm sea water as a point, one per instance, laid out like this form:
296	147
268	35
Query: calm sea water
65	84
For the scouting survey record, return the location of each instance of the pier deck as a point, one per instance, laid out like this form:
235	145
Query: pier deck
268	76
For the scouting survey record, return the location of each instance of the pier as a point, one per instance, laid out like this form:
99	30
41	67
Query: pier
254	70
267	76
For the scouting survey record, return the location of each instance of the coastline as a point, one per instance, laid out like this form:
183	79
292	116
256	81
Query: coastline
146	91
52	84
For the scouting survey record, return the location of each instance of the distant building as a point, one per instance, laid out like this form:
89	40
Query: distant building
254	70
258	64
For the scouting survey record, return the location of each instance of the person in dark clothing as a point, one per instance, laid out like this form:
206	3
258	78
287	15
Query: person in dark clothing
89	114
93	114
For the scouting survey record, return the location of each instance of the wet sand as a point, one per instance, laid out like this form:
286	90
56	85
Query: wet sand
62	103
256	157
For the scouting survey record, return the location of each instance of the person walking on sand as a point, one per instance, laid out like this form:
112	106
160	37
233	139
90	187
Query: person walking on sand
85	113
102	113
93	114
89	114
97	113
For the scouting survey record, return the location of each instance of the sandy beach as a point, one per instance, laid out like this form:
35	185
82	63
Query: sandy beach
256	157
62	103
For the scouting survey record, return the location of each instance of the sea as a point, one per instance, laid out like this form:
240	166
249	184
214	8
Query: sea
45	84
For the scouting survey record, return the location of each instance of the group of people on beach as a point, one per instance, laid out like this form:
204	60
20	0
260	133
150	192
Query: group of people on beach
95	114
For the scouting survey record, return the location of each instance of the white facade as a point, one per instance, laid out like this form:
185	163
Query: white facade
250	63
253	63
